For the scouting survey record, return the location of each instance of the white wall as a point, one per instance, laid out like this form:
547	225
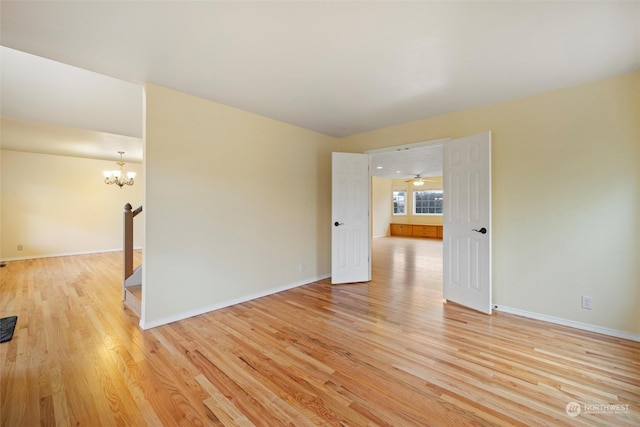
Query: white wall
566	197
235	204
382	206
58	205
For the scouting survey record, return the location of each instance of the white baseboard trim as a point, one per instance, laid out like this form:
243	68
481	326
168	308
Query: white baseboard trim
203	310
571	323
382	235
100	251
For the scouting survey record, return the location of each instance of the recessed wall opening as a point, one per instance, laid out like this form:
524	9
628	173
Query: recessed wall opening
406	188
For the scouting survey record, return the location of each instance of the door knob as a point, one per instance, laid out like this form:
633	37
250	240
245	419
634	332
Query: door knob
481	231
338	223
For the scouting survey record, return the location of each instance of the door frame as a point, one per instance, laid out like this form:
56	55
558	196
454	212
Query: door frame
408	147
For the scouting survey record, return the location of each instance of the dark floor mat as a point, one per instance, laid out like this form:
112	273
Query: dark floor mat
7	325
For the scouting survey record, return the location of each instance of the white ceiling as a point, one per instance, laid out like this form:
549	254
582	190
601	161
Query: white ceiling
422	159
335	67
50	107
36	137
42	90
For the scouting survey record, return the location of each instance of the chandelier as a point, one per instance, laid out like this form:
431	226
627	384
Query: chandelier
119	176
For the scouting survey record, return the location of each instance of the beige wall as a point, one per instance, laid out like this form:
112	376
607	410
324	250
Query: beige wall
381	206
57	205
566	197
235	204
431	183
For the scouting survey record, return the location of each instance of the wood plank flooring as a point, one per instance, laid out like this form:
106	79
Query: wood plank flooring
389	353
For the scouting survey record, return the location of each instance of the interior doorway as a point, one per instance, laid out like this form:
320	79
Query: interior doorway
394	171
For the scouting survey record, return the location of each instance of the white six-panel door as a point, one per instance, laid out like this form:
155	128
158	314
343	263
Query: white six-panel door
467	222
350	201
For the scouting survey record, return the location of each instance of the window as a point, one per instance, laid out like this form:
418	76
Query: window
428	202
399	202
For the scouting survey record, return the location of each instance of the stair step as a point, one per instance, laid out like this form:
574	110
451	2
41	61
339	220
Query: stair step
130	300
135	278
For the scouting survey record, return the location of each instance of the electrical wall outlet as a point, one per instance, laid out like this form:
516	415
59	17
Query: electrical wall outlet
301	267
587	302
19	247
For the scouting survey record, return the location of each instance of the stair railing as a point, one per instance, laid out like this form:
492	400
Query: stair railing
131	277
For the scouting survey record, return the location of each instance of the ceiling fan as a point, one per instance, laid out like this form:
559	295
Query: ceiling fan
418	180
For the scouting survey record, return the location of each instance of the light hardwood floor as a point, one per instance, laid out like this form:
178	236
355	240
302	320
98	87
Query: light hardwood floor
390	352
